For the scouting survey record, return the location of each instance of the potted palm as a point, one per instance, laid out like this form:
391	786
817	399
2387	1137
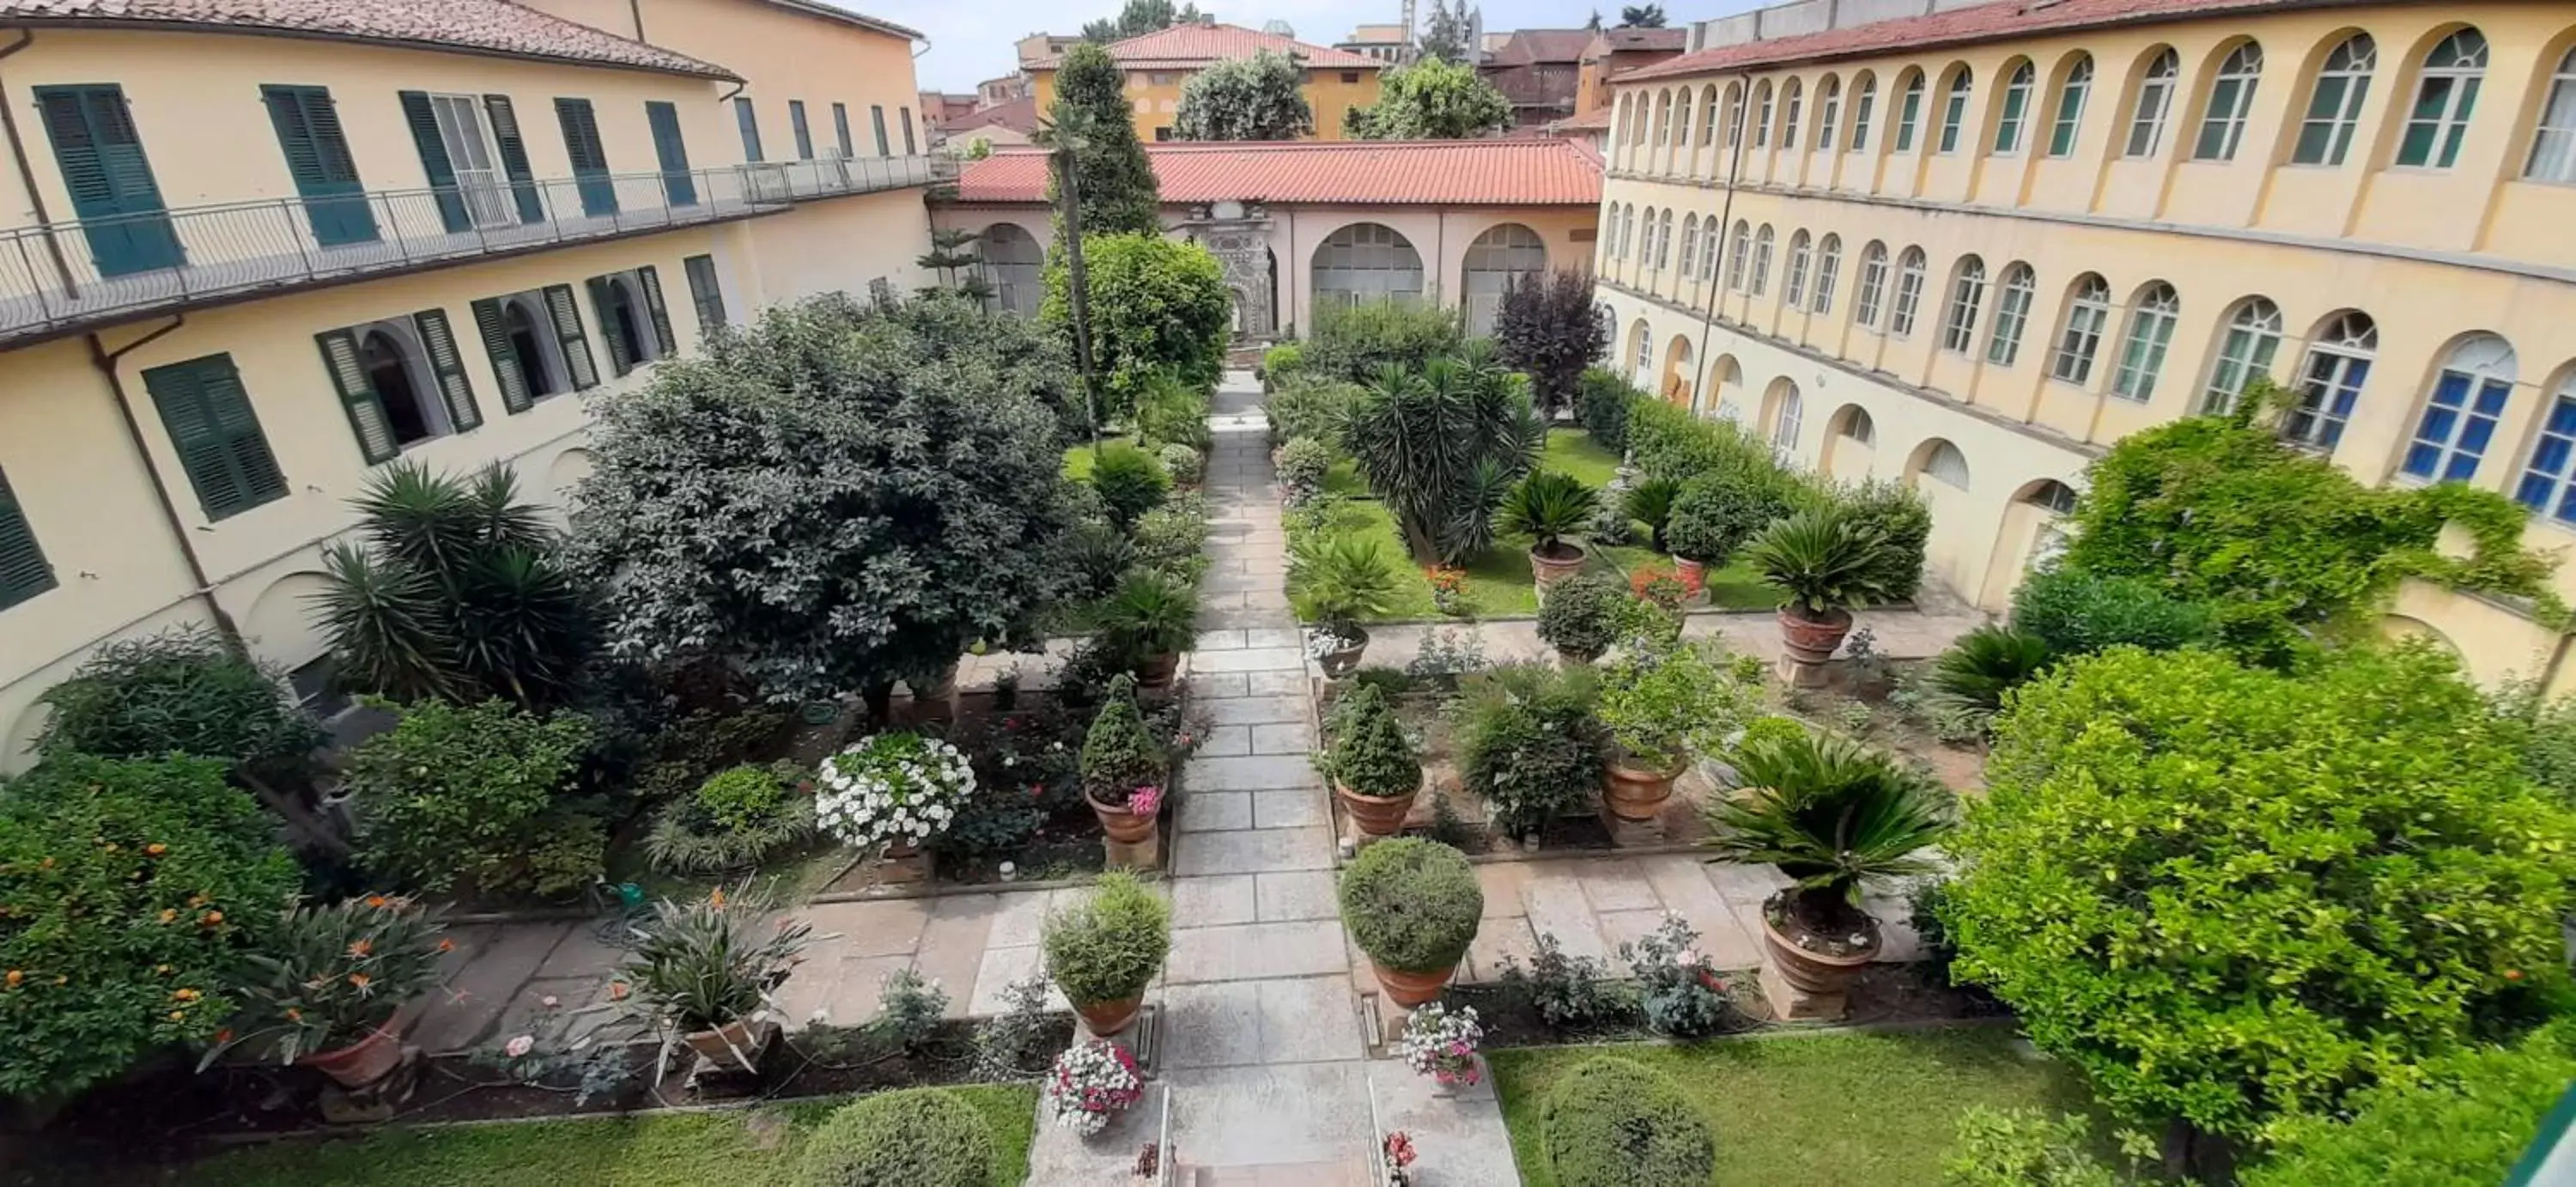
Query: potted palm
1663	699
702	971
1123	768
1835	816
1549	506
1147	622
1827	562
1340	580
325	994
1103	951
1652	501
1413	906
1374	769
1581	617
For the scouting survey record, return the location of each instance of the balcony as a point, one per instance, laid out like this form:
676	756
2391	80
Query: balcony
69	277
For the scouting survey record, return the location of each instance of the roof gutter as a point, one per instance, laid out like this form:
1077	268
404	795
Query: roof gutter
711	70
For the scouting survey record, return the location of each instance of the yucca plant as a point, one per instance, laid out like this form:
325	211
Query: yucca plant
1833	815
709	962
1968	682
1340	580
1823	560
1151	614
1442	446
1652	500
1549	506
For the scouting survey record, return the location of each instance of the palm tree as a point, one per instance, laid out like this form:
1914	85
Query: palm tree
1833	815
1443	445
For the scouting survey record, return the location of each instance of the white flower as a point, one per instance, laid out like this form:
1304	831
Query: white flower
519	1046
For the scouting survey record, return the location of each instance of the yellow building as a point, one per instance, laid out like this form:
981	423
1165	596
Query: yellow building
1970	248
1155	65
266	247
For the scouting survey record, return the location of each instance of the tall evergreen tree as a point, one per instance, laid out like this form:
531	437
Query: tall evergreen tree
1444	36
1091	112
1649	16
1255	98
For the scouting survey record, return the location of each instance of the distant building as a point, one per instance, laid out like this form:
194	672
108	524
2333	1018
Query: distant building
1386	43
1043	47
1156	63
1000	125
1614	52
993	92
939	110
1591	129
1539	70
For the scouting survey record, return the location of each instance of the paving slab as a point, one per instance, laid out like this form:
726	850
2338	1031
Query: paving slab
1226	741
888	928
1249	659
1243	709
1283	737
1463	1140
1294	808
1297	894
1617	887
1259	772
1557	907
1215	901
1307	1019
1269	1115
998	969
1214	811
1255	851
1018	917
1256	951
1212	1024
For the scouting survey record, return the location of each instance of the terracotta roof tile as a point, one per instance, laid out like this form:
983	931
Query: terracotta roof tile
1197	45
1631	40
1359	173
481	26
1019	115
1598	121
1532	46
1958	26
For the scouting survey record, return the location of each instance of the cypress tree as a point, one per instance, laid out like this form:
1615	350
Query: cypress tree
1117	182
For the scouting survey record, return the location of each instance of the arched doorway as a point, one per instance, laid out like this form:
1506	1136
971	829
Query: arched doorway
2032	534
1495	260
1725	385
1641	356
1850	445
1784	415
1365	262
396	369
1015	267
1677	386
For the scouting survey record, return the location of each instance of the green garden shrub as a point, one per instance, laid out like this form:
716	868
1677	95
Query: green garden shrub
917	1137
1118	751
1130	482
1302	466
1528	744
2464	1125
2078	612
2023	1148
1369	753
178	693
471	794
1717	512
1353	342
1611	1122
1666	441
1280	364
1183	462
1311	407
1412	904
1107	947
1602	399
1902	519
1170	411
1582	614
1159	311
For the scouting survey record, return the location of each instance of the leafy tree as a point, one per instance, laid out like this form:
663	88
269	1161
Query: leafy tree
1442	446
1138	18
1257	98
2464	1125
475	794
1649	16
1431	99
1159	310
835	497
1444	35
1093	121
1550	329
1353	343
958	268
2231	895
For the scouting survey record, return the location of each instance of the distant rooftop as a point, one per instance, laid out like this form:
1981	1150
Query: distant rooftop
1538	172
1184	46
475	26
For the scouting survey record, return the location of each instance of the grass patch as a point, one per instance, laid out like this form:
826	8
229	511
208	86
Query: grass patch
1078	459
1823	1111
743	1147
1571	451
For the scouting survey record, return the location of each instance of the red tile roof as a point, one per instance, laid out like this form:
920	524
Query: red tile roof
1598	121
1184	46
1630	39
479	26
1347	172
1526	47
1019	115
1959	26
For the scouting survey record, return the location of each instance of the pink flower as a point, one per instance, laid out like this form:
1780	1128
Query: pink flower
1145	801
519	1046
550	1001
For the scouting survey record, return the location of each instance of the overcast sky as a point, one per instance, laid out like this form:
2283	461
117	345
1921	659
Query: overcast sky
970	40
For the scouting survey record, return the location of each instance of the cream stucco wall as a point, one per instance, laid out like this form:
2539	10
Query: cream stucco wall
837	244
1156	97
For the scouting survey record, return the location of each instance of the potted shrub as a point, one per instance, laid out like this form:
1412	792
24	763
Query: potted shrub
1374	769
325	991
1148	621
919	1137
1091	1083
702	971
1834	816
1412	905
1104	950
734	819
1340	580
1528	744
1123	768
1581	617
892	792
1661	700
1714	514
1827	563
1549	506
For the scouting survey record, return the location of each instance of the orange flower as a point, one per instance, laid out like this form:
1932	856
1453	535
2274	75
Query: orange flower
617	991
15	977
211	918
156	849
2513	974
360	980
362	947
178	1015
195	901
184	994
446	945
168	915
715	898
375	900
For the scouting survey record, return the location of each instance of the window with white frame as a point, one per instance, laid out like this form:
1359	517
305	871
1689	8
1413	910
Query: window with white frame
1792	111
1500	257
1761	259
1864	98
2548	483
1762	114
2069	121
2245	352
1366	262
2016	112
2334	107
1643	373
2012	315
1946	465
1829	262
1873	285
2231	100
2142	351
1967	295
2445	96
1954	110
1681	130
1789	421
1708	244
1829	108
1690	243
1742	247
2330	381
2553	143
1909	107
1734	114
2460	415
1793	291
1664	242
1909	293
1858	427
1707	116
2155	98
2081	339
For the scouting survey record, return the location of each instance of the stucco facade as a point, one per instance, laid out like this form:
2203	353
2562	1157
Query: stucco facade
1155	65
1977	297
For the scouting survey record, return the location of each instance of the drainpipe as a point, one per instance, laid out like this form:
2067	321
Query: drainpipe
1725	219
106	360
635	10
27	171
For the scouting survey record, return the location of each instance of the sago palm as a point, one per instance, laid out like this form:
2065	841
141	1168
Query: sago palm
1548	506
1833	815
1968	682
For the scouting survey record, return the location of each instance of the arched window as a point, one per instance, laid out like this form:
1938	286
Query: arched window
2460	415
1366	262
1789	421
1829	264
1734	114
2016	112
2012	315
2444	98
1792	109
1762	112
2253	337
2549	483
2334	107
1909	108
1761	259
1016	267
1829	110
1681	123
1967	295
1793	291
1853	423
1707	116
2553	144
2330	380
1664	242
1909	293
2142	352
534	350
1946	465
1954	110
1646	240
1643	372
624	321
1864	101
2231	99
2155	98
1690	244
2086	315
400	376
1662	132
2070	107
1501	257
1742	247
1873	284
1620	135
1708	242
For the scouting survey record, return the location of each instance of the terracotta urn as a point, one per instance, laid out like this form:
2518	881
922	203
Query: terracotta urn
1342	661
1637	793
1807	970
372	1057
737	1043
1123	826
1693	575
1811	639
1108	1018
1550	568
1377	816
1412	989
1155	671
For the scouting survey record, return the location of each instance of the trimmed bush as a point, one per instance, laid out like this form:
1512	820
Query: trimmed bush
918	1137
1602	401
1183	462
1119	754
1370	754
1353	342
1666	441
1902	520
1720	510
1108	947
1311	407
1130	482
1613	1123
1412	904
455	792
1281	363
176	693
1582	614
1303	464
2079	612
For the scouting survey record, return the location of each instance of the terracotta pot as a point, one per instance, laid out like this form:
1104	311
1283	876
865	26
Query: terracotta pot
1575	659
1809	639
935	698
1551	569
1123	826
1808	971
373	1057
904	850
1155	671
1337	664
1377	817
732	1044
1108	1018
1411	989
1636	793
1694	575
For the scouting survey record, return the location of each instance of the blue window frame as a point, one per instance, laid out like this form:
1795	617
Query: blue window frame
2546	484
2460	417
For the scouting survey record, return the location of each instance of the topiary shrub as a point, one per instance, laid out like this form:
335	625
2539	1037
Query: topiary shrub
1130	482
1412	904
1370	754
1108	947
1611	1122
1528	744
1280	364
1119	754
1718	511
1302	465
918	1137
1602	399
2078	612
1581	615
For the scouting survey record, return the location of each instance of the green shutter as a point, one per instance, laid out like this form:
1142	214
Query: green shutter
589	157
445	362
101	157
514	157
507	369
678	188
705	292
217	434
661	313
576	347
317	157
621	353
433	160
24	572
375	432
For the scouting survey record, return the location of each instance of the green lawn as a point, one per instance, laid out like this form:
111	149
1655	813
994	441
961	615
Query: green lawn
741	1148
1078	459
1822	1111
1571	451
